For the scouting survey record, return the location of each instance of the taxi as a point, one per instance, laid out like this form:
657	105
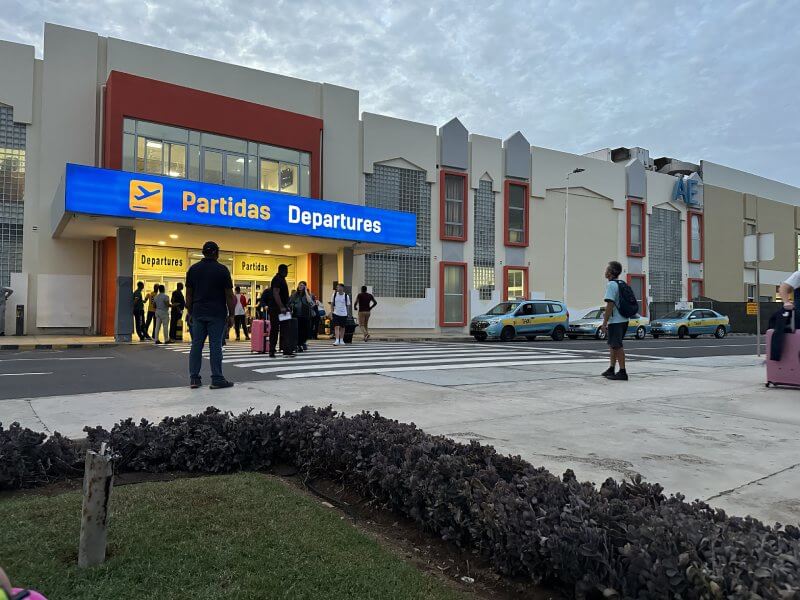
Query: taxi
530	318
700	321
589	326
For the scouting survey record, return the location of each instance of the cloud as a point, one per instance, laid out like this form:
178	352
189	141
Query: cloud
713	80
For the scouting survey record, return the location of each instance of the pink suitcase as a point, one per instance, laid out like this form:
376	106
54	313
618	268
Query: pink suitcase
787	370
259	336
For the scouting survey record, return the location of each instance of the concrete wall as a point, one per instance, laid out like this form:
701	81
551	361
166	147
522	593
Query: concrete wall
341	173
724	244
747	183
16	79
387	138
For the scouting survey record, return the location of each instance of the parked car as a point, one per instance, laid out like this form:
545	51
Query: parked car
589	326
693	323
530	318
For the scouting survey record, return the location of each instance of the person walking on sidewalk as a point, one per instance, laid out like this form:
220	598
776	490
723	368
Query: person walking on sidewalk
150	301
162	313
614	324
276	299
5	294
210	305
138	312
302	307
178	303
240	314
340	309
365	302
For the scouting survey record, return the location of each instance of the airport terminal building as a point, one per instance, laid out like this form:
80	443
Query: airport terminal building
118	160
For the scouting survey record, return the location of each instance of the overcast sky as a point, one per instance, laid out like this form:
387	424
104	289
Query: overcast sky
718	81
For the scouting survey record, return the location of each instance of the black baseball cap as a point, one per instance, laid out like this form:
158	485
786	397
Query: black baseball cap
210	248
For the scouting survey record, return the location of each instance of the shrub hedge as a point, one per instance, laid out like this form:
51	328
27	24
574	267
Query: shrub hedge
623	540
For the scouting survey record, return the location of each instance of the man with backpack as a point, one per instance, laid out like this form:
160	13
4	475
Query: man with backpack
621	305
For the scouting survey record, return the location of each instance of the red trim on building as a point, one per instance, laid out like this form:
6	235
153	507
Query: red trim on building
442	205
525	284
108	285
633	202
442	266
689	283
506	189
689	215
643	300
169	104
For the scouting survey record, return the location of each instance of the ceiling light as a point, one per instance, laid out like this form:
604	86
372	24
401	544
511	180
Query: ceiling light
267	251
286	246
173	236
152	144
162	243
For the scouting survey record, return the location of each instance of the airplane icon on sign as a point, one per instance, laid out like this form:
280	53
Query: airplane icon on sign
144	193
146	196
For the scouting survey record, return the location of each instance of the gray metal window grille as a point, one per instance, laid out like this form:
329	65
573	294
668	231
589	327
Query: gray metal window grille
405	272
483	271
12	189
665	255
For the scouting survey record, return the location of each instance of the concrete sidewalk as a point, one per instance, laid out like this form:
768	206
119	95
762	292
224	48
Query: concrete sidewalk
704	427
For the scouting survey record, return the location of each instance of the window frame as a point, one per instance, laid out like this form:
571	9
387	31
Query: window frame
692	280
526	213
689	215
443	173
442	266
643	308
642	225
525	281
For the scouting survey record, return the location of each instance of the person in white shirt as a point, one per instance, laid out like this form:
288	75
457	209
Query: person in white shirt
790	290
239	314
340	309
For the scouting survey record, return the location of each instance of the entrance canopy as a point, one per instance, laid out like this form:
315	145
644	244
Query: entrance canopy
98	201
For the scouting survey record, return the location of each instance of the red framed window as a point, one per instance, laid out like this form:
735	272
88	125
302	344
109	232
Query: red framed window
696	288
638	284
695	236
515	213
515	283
453	195
637	218
452	294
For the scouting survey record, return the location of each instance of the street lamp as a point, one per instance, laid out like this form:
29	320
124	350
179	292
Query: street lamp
566	223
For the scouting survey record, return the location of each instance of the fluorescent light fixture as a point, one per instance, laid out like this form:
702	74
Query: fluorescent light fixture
286	246
267	251
173	236
162	243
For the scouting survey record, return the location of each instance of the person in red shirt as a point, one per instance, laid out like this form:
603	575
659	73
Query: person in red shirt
240	314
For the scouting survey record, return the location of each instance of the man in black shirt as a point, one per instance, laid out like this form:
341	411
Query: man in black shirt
276	297
178	304
210	305
138	312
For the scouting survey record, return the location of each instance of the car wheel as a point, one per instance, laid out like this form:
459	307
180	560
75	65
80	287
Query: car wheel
720	332
558	334
682	332
640	332
530	338
573	337
507	334
480	337
600	334
656	336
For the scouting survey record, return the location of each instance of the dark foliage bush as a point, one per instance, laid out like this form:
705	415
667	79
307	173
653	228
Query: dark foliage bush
625	540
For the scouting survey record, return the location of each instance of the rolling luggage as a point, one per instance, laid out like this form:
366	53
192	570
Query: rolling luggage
289	336
785	371
259	336
349	330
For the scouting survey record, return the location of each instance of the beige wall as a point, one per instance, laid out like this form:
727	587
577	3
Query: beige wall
724	244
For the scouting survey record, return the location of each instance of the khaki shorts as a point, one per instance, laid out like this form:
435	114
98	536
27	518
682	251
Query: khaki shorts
363	318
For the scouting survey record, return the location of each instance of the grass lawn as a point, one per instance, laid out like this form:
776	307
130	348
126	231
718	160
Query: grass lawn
234	536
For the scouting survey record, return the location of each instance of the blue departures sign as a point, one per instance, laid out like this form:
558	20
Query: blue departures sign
105	192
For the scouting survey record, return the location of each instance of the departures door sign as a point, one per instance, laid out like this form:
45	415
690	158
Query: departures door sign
94	191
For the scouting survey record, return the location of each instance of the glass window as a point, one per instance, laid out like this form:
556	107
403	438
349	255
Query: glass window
269	175
234	170
194	138
541	309
696	289
129	152
305	181
212	166
516	284
194	163
696	241
637	218
177	160
637	285
221	142
454	294
279	154
516	214
503	308
751	292
157	131
454	206
152	152
749	228
252	172
288	178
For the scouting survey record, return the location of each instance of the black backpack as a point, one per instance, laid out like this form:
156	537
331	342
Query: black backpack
628	304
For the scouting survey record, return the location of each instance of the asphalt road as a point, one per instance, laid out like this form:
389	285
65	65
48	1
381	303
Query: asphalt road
38	373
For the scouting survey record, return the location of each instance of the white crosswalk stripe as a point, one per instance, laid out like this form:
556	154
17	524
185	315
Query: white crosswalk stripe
323	359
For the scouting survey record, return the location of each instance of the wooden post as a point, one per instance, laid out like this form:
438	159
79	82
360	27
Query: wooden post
98	479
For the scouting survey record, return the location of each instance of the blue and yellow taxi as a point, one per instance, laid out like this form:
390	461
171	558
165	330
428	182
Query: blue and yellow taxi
589	326
692	323
530	318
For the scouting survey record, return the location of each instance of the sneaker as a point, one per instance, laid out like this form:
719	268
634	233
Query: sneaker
195	383
622	375
157	342
366	338
289	355
272	355
305	347
336	343
609	373
218	385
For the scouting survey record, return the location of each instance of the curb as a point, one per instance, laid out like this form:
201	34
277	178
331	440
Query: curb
56	346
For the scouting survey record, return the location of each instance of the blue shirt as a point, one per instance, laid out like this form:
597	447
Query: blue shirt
612	294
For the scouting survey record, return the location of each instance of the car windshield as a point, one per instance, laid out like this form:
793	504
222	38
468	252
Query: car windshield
594	314
503	308
677	314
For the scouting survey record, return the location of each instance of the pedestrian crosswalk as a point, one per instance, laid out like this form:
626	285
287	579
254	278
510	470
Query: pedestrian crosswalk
323	359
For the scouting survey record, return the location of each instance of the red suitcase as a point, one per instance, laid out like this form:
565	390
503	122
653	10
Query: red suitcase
786	371
259	336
